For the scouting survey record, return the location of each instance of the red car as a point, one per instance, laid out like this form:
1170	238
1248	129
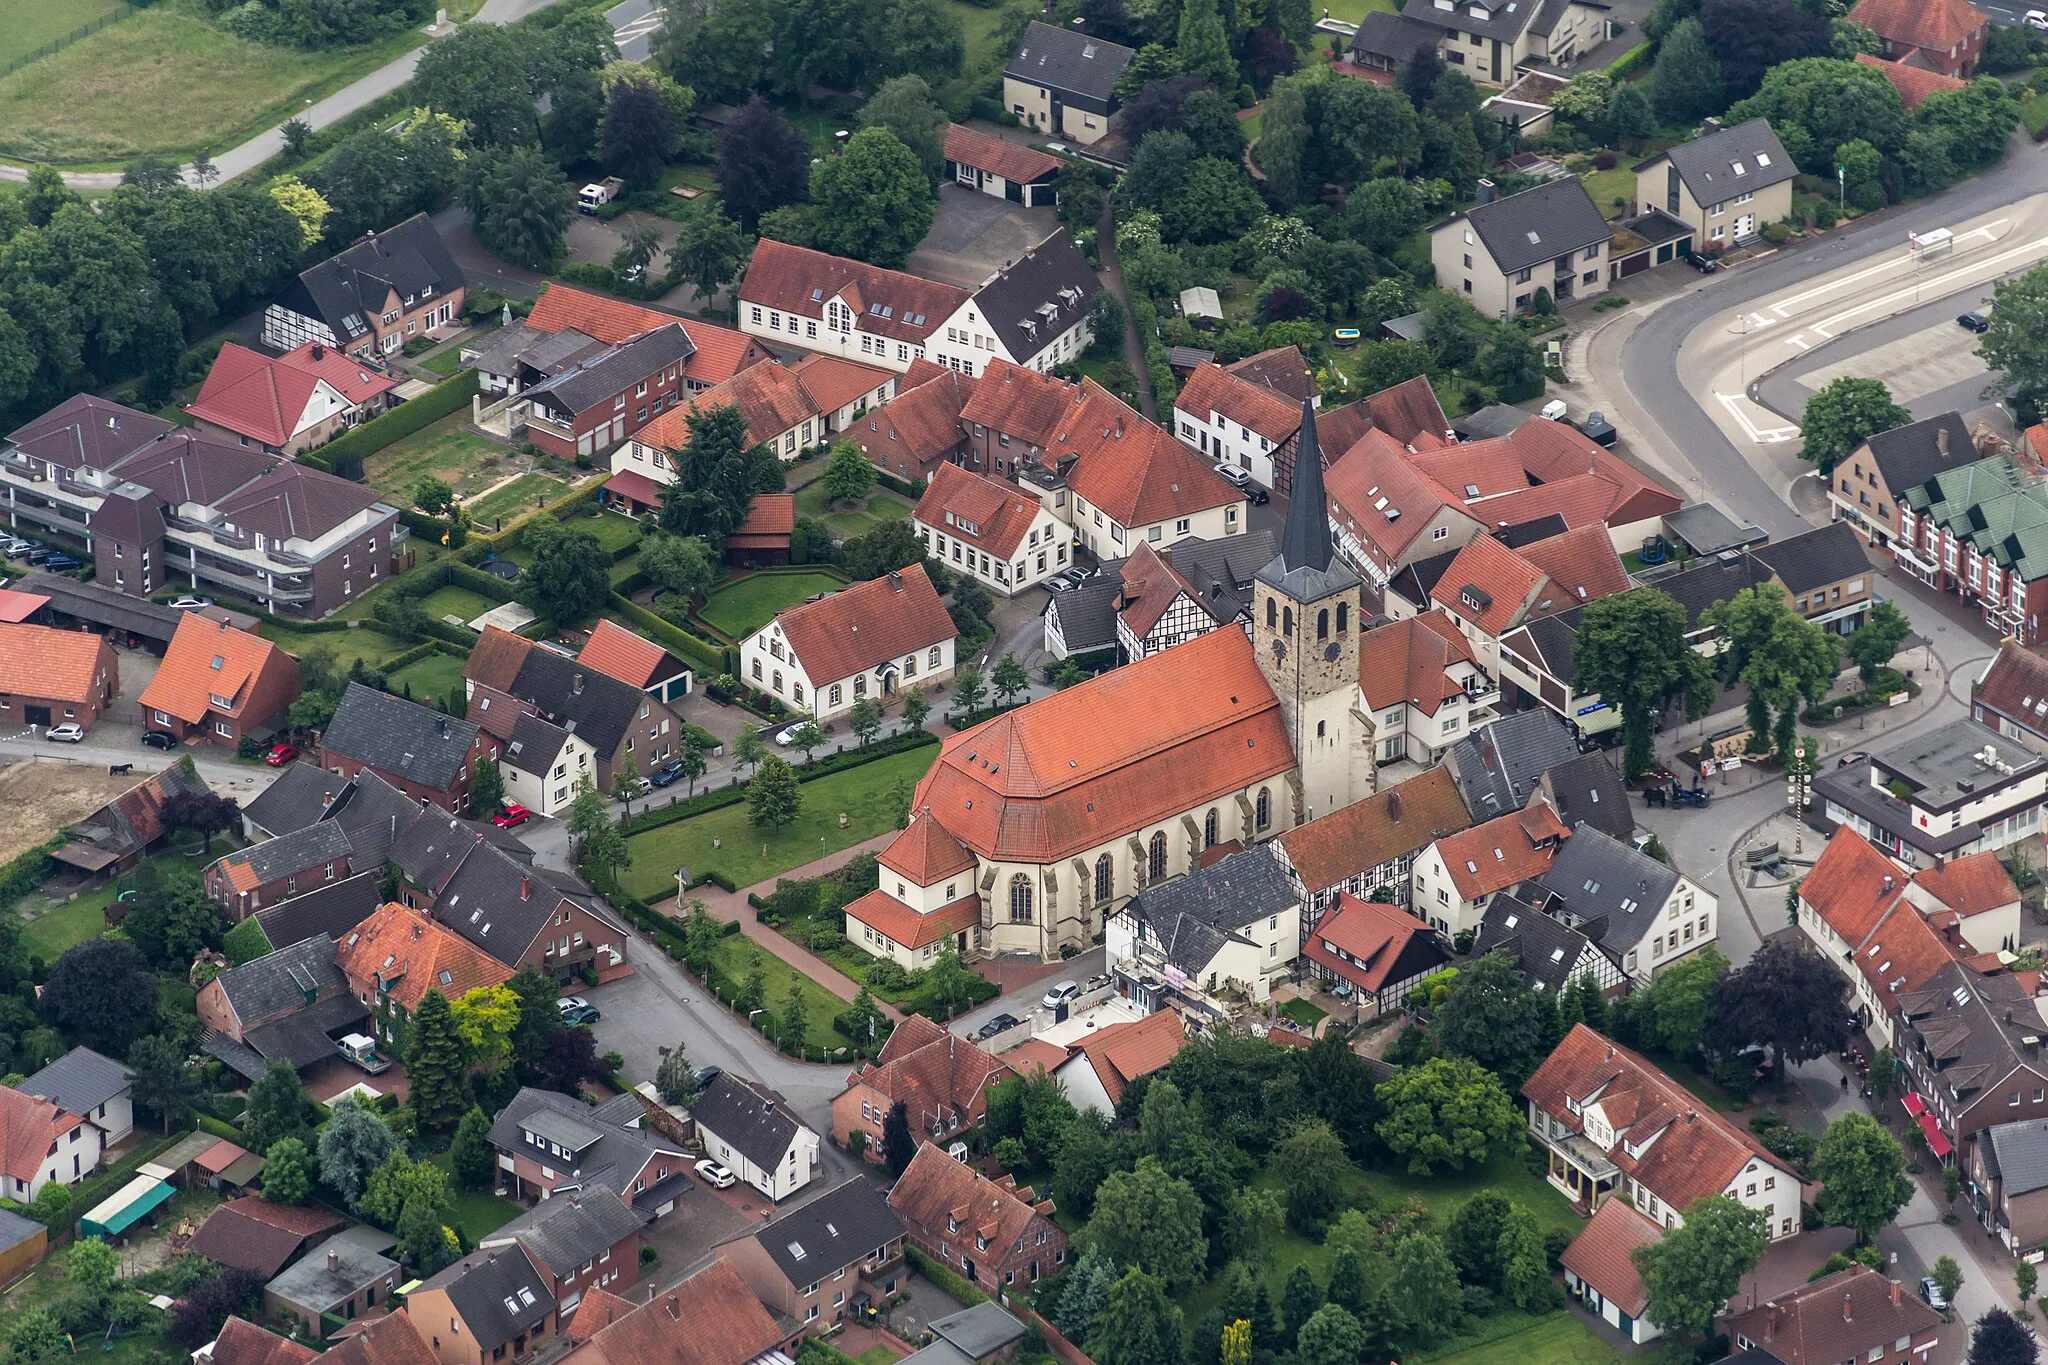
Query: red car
515	815
281	754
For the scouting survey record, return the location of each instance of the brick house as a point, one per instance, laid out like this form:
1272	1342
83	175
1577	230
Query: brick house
496	1304
1870	487
373	297
2008	1183
509	677
1373	843
393	958
278	1007
590	403
217	683
710	1318
566	321
341	1280
1854	1314
941	1079
919	429
584	1241
427	755
1943	36
991	1233
550	1146
289	403
618	653
809	1265
243	882
54	677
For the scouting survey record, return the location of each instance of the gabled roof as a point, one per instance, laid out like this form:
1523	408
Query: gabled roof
999	156
1816	558
1838	1317
1402	820
57	665
244	1343
1372	944
599	1309
925	853
1498	768
771	519
599	378
299	796
1130	469
711	1318
1407	412
799	280
1047	290
328	911
1409	662
265	397
1378	494
80	1081
348	288
500	903
1500	853
921	423
1601	1255
1547	952
86	431
1554	219
1902	954
2015	684
1122	1053
1283	370
618	653
1969	885
607	1152
866	625
930	1069
499	1292
910	928
936	1190
1742	158
250	1234
208	659
842	1227
2017	1153
1494	587
561	689
1910	455
1589	790
1851	885
1581	564
280	982
1020	402
388	1340
1243	401
409	955
1193	918
1596	874
399	737
1063	59
978	510
716	355
1150	588
752	1123
1937	24
1914	83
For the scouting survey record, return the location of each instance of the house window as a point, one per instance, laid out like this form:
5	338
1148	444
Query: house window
1157	861
1020	899
1263	810
1105	877
834	695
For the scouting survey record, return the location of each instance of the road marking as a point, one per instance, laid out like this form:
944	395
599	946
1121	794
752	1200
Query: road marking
1735	404
1784	307
1761	320
2031	251
1798	340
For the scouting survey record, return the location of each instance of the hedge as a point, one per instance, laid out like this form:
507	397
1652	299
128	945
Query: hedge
479	547
349	450
954	1287
909	488
1631	61
721	797
710	799
28	870
699	654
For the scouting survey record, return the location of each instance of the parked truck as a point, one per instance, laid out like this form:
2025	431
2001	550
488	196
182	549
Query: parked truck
595	197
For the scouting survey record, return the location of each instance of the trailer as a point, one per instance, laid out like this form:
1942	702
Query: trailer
595	197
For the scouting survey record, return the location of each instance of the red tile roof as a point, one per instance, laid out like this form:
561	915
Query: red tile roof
868	624
910	928
1126	749
798	280
1373	933
1212	389
1513	587
17	607
1581	564
206	659
57	665
1971	885
1503	851
1408	411
1122	1053
1151	587
28	1128
1550	451
936	1190
599	1309
244	1343
834	383
1377	477
935	1072
611	321
996	515
771	521
388	1340
1600	1255
1581	499
919	425
1936	24
924	853
253	395
1902	953
1037	1053
1475	469
711	1318
630	483
1283	370
2016	684
773	398
1130	469
1408	662
618	653
1020	402
998	156
410	954
1402	820
347	376
1846	886
1912	82
1843	1316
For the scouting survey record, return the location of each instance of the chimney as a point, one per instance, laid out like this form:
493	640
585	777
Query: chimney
895	581
1770	1321
416	931
1394	807
524	886
319	351
443	724
1848	1311
1896	1298
334	1260
1487	192
576	686
1941	439
1887	883
1710	126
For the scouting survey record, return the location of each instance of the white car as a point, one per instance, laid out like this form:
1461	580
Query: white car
715	1175
1234	476
190	603
2036	19
1061	993
67	733
787	736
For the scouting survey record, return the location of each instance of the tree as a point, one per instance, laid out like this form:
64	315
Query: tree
1511	363
948	984
480	75
521	204
203	812
172	919
1846	413
1009	679
571	1060
1999	1338
1948	1277
1974	122
1699	1264
1630	113
487	1017
1862	1168
487	786
1678	1009
1317	1172
1585	98
90	1266
1631	649
1525	1265
278	1108
436	1065
1749	37
354	1142
1424	1287
204	172
1284	137
1420	73
691	756
971	606
749	748
162	1081
795	1023
1489	1016
849	476
307	206
640	133
1330	1336
627	784
1447	1111
774	798
207	1306
865	720
52	1205
1300	1297
34	1335
1874	643
288	1172
898	1146
1203	45
1087	1290
2016	343
875	201
763	162
905	106
1785	658
1473	1238
709	251
639	244
1686	82
2025	1278
1148	1219
968	689
571	575
1138	1324
295	131
1787	998
915	708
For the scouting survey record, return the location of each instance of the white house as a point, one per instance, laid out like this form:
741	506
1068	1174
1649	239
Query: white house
541	763
1034	313
866	642
1855	908
44	1144
926	897
990	530
1133	482
1424	686
755	1136
1963	788
1100	1067
1641	912
1601	1274
1458	876
1233	925
1235	421
95	1088
794	296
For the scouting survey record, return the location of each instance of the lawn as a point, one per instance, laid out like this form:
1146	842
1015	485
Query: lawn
1608	186
744	605
447	361
1560	1339
162	81
880	507
1303	1013
437	675
877	1355
443	450
980	25
735	958
867	794
48	936
477	1214
461	603
523	496
1354	11
373	647
30	26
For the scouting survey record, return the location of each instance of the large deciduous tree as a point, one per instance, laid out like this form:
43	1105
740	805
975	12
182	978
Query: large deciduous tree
774	797
906	107
1786	998
1785	658
763	162
1686	82
278	1108
1844	414
1863	1172
1491	1017
1316	1171
1874	642
571	574
709	251
2016	343
1138	1324
639	134
1148	1219
520	203
1749	37
100	993
1423	1288
875	200
1999	1338
1449	1111
1632	652
1699	1264
480	74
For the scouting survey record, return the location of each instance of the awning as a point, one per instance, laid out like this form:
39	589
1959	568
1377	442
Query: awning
634	486
1936	1143
112	1217
1914	1104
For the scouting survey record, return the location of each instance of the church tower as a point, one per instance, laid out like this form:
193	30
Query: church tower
1306	620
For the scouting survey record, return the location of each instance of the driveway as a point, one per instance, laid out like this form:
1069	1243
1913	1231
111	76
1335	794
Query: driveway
974	235
699	1222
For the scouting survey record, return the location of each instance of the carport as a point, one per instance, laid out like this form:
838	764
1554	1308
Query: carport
139	1198
1653	238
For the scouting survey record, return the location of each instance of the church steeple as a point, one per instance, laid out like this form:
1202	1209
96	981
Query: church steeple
1307	567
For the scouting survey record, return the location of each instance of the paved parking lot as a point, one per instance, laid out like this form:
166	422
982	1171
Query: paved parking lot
975	235
699	1222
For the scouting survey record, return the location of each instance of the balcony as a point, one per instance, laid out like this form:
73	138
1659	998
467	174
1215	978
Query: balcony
20	467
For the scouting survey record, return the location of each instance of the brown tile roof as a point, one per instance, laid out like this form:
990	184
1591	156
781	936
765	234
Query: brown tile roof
1339	429
389	1340
1283	370
244	1343
263	397
207	659
600	1309
1020	402
410	954
60	665
1130	469
936	1189
920	424
1151	587
913	928
1037	1053
1490	857
998	156
997	514
771	397
1846	886
253	1235
833	383
1212	389
1407	661
1513	587
868	624
618	653
1377	476
1374	933
1600	1255
1692	1150
924	853
1126	749
1969	886
1408	411
711	1318
1581	499
932	1070
720	352
495	658
1912	82
1550	451
771	518
1936	24
1122	1053
1843	1316
1902	954
1404	819
798	280
2016	684
1581	564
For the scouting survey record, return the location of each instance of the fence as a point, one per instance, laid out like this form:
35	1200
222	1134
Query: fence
59	44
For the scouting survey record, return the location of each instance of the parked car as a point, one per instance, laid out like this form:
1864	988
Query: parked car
70	732
709	1074
62	563
2036	19
281	754
576	1010
40	554
1700	261
995	1026
786	736
1931	1294
715	1175
15	549
515	815
1062	582
1061	993
1257	496
1973	321
667	773
1233	475
159	739
189	603
1598	429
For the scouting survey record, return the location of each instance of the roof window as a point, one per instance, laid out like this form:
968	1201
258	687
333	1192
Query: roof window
1763	158
217	662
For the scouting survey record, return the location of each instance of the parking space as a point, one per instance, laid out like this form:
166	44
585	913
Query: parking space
699	1222
974	235
1936	357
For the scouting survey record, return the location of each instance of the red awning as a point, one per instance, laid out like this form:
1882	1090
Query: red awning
636	486
1914	1104
1936	1143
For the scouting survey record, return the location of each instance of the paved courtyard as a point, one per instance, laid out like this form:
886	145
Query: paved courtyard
975	235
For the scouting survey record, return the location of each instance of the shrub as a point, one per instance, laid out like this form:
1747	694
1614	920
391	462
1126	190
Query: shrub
1603	161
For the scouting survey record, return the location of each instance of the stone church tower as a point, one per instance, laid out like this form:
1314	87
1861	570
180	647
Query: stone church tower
1306	620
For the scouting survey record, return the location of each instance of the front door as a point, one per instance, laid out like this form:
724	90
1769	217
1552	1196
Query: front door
967	1269
1059	116
1745	227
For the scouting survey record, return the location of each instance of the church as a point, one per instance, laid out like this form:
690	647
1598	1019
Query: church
1048	818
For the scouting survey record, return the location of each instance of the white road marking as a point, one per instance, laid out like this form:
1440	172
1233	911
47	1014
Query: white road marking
1736	403
1934	287
1798	340
1785	307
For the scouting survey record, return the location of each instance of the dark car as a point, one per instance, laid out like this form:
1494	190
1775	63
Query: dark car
709	1074
1257	496
1598	429
58	563
40	554
1973	322
1701	262
159	739
995	1026
668	772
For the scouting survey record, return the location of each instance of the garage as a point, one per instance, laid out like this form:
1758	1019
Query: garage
1648	239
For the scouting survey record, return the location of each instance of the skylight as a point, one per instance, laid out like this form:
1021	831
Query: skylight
1534	239
1763	158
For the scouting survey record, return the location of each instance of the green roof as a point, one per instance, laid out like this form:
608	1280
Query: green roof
1989	505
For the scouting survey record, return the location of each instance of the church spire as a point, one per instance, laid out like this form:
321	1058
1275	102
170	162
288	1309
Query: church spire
1306	542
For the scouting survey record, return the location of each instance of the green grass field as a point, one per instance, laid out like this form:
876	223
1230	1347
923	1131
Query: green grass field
980	25
1303	1013
443	450
743	606
880	506
457	602
373	647
31	25
867	794
522	497
1560	1339
48	936
1353	11
735	957
476	1214
437	675
1608	186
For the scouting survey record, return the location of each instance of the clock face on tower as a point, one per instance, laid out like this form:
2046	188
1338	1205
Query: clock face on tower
1279	651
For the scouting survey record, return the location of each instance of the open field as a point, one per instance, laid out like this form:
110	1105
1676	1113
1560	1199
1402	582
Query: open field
41	797
33	23
746	855
437	675
879	507
743	606
980	25
445	451
522	497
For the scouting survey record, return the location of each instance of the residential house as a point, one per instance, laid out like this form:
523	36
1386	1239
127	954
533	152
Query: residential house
618	653
981	1333
1501	768
255	1235
864	643
990	1233
1424	687
1970	1043
813	1262
285	1006
1131	481
55	677
1962	788
1101	1066
1011	418
941	1079
1387	42
219	684
1854	1314
1852	906
1541	471
1726	184
372	297
1156	608
1000	168
1643	913
709	1318
585	404
1610	1123
246	880
2011	696
990	530
244	1343
1062	83
1494	252
496	1302
425	754
388	1340
1458	875
794	296
1943	36
1371	845
1975	897
1987	526
393	958
1153	601
755	1136
1490	41
1588	790
328	911
1387	515
765	537
525	915
1870	486
1490	589
1033	313
1233	926
1913	83
1600	1269
550	1145
158	505
920	429
344	1280
2008	1183
908	918
1248	413
1376	949
114	838
289	403
1825	575
579	318
585	1242
1552	957
95	1088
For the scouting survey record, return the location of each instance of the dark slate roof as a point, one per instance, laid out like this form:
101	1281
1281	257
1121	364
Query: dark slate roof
499	1292
2017	1153
274	859
758	1127
611	1160
978	1332
1495	419
1549	640
79	1082
602	708
1233	559
1194	916
1738	160
399	737
1543	947
534	744
1537	225
500	904
282	980
304	1038
1055	275
564	1233
1062	59
298	798
1589	789
1816	558
599	378
1393	36
837	1229
1715	580
1417	581
432	847
1597	875
1959	1017
375	814
310	1284
328	911
1907	456
1529	532
1497	768
346	288
1087	615
1505	21
1307	568
103	606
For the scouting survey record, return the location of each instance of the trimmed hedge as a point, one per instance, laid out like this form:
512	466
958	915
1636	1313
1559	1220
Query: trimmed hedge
956	1288
909	488
710	799
477	547
699	654
348	451
1631	61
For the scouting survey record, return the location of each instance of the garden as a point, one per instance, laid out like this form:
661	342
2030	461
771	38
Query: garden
496	483
742	605
851	517
49	926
